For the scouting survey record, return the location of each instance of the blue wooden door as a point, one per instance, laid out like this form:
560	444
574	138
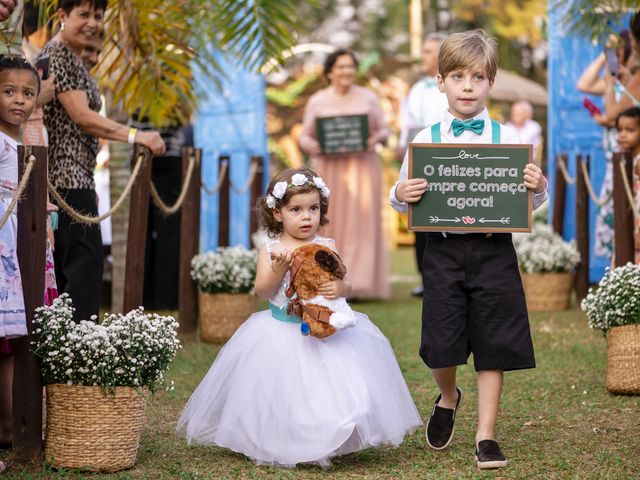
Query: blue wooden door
230	122
571	130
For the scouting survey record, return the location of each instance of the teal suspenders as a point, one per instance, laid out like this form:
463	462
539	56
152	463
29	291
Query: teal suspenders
436	137
435	133
495	132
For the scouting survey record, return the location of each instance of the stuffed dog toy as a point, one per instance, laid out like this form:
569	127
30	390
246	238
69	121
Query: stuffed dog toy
312	265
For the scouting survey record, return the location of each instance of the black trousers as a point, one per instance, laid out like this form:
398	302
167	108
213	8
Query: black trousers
162	252
78	254
473	302
420	243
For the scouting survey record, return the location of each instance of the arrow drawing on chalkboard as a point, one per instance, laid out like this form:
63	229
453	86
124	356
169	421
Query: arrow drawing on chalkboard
438	220
503	220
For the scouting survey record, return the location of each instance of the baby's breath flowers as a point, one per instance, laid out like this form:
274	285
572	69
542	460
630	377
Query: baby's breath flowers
228	270
130	350
544	251
616	301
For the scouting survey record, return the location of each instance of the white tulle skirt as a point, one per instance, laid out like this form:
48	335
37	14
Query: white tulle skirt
281	398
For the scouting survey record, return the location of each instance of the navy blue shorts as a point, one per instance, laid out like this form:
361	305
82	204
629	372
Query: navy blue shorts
474	303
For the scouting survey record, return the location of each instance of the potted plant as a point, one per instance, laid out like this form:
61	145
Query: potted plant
96	375
225	281
546	262
614	308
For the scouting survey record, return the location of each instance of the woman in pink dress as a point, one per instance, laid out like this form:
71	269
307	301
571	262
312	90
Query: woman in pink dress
356	178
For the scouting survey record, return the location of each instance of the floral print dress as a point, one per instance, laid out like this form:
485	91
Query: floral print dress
604	237
12	312
636	213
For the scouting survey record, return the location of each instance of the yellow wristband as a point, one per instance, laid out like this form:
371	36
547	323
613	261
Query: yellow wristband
132	135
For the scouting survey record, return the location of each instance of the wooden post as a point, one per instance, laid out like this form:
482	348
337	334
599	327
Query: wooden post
137	234
256	193
582	230
223	203
559	196
189	244
27	378
622	211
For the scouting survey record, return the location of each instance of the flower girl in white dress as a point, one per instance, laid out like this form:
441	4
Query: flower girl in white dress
282	398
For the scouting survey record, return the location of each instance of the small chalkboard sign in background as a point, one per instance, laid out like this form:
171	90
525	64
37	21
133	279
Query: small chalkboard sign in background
472	187
343	134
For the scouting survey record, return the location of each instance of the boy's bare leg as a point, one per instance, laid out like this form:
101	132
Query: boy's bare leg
489	392
446	380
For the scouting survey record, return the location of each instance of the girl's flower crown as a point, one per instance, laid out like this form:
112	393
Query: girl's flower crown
280	188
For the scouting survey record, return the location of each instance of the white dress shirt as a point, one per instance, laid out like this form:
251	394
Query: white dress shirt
423	107
507	136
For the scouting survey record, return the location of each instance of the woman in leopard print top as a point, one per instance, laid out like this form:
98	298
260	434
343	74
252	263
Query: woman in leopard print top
74	125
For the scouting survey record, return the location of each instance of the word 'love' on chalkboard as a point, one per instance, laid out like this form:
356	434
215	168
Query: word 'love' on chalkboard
344	134
471	187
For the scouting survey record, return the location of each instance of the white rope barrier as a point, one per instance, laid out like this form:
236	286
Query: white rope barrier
253	169
170	210
627	187
224	166
29	164
565	172
88	219
589	185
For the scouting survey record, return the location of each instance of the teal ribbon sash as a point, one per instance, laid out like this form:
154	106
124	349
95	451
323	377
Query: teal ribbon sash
280	313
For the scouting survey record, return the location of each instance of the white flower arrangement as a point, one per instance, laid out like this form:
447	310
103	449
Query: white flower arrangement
544	251
616	301
131	350
228	270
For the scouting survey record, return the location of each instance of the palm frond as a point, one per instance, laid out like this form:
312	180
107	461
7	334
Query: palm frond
595	19
152	48
255	30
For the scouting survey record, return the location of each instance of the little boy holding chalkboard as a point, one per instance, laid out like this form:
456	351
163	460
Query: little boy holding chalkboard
473	296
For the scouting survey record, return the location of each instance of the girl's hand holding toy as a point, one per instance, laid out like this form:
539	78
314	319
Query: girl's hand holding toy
332	290
280	262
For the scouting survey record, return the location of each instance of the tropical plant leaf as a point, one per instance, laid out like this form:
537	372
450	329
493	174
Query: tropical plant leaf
595	19
152	48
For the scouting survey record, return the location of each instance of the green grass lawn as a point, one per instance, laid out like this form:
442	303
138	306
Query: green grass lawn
557	421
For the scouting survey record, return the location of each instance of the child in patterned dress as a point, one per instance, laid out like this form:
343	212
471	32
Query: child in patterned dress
19	87
628	125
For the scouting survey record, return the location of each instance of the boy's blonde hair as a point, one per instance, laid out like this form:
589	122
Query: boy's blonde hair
464	50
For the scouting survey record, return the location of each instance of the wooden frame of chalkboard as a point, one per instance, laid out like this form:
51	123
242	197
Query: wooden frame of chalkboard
472	187
343	134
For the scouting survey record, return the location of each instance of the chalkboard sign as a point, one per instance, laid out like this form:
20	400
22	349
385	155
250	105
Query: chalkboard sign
472	187
344	134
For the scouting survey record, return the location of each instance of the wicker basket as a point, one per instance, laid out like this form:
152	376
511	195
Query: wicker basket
93	430
222	313
623	359
547	292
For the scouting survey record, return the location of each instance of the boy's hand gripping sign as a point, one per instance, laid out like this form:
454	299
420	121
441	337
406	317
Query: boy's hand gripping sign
471	187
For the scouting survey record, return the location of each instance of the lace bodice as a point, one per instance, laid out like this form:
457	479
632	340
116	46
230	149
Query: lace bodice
280	298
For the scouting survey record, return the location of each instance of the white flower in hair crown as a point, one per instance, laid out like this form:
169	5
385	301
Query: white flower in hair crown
299	179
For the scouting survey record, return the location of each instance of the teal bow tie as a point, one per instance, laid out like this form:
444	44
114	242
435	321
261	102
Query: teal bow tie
458	126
